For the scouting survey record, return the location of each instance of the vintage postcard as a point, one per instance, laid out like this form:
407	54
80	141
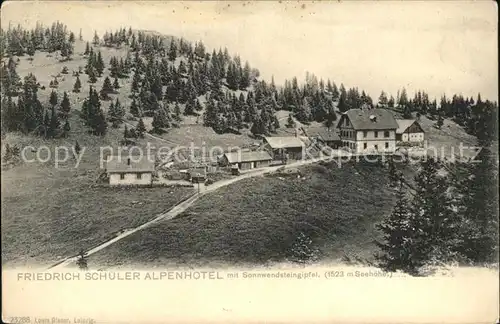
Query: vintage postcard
249	162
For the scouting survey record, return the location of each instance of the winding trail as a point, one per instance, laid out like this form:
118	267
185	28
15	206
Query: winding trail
182	206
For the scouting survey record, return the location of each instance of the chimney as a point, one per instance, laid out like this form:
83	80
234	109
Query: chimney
128	161
296	132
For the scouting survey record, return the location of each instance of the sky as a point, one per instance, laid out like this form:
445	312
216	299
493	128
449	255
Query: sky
441	47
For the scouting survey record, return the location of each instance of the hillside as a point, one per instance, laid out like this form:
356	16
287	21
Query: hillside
50	212
257	220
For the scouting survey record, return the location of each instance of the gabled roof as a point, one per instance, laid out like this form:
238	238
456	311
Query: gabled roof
284	142
235	157
329	136
369	119
403	125
129	164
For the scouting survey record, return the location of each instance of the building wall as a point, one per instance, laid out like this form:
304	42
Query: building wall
294	153
262	164
370	135
245	165
130	179
253	165
333	144
412	137
369	141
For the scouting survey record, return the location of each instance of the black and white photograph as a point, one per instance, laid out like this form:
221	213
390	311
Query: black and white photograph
249	161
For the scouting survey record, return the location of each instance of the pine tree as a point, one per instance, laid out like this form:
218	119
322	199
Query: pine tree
395	176
92	75
116	84
46	124
172	51
134	109
116	113
53	124
403	98
303	251
78	85
107	88
101	125
136	80
190	107
160	121
53	98
440	120
258	128
478	221
245	77
96	39
99	64
30	50
65	106
342	105
330	119
436	224
399	251
141	128
382	100
87	49
390	103
407	112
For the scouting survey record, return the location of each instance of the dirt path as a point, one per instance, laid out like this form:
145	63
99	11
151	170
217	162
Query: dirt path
179	208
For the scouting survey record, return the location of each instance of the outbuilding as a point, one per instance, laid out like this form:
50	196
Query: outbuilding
409	130
330	138
285	147
130	170
246	160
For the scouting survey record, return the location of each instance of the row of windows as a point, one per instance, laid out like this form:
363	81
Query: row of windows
352	145
365	146
386	133
345	133
138	176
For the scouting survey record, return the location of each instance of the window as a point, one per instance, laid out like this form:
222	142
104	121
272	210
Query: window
376	147
365	133
139	176
386	145
122	176
376	134
386	134
364	146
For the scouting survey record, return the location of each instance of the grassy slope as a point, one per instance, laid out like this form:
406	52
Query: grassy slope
256	220
49	212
